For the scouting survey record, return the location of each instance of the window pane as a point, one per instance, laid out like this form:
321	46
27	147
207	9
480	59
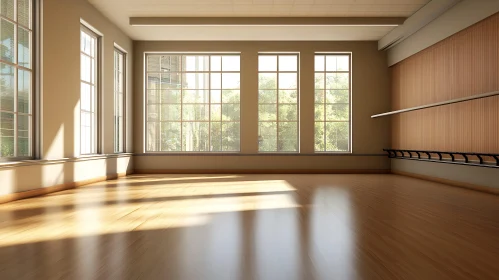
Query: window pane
196	96
320	145
216	112
153	136
23	91
7	8
7	90
288	137
7	135
337	112
267	63
267	81
319	63
23	136
288	63
195	136
288	112
170	96
195	113
153	63
230	112
337	96
319	96
216	96
23	12
196	81
343	63
267	96
288	81
216	81
170	63
170	81
195	63
86	68
230	136
337	81
288	96
230	81
337	136
216	136
24	47
86	97
268	112
7	40
230	63
171	137
216	63
268	136
170	112
319	81
230	96
319	112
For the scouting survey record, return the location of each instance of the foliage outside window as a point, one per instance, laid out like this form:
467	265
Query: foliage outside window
332	102
278	102
16	79
193	103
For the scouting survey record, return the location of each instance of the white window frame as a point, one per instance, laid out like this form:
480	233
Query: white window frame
278	71
210	54
325	151
95	99
33	124
120	136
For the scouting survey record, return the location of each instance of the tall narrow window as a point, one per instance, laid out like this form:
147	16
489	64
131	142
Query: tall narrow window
119	101
332	102
89	92
16	79
278	103
193	103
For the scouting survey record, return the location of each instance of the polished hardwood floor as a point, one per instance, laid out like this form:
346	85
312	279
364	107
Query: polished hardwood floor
253	227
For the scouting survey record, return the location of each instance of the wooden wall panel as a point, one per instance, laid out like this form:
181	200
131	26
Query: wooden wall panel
463	65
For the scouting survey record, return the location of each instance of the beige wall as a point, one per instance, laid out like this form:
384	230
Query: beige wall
370	86
60	94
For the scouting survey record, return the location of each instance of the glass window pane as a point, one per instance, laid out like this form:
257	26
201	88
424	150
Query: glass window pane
337	81
216	112
319	81
230	112
153	136
195	112
23	136
267	81
231	81
196	81
7	41
170	63
153	113
170	96
195	96
230	63
24	12
267	63
343	63
24	47
86	68
337	135
7	8
153	63
23	91
7	135
288	112
337	112
216	81
170	81
319	96
230	136
216	136
7	87
288	137
170	113
268	137
268	112
195	136
171	137
331	63
288	81
320	145
288	63
288	96
319	112
337	96
216	63
230	96
216	96
85	97
319	63
267	96
195	63
153	81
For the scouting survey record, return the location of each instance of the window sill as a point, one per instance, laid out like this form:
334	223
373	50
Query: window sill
19	163
166	154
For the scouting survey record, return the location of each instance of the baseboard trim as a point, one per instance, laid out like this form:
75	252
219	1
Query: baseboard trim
262	171
57	188
448	182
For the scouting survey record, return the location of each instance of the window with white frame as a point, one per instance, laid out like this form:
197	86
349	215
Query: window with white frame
192	102
16	79
278	103
119	101
89	91
332	102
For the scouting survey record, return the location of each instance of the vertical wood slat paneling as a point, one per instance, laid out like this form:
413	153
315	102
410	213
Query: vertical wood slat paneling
464	64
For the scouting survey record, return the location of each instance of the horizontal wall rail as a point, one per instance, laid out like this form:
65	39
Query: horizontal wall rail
458	100
474	159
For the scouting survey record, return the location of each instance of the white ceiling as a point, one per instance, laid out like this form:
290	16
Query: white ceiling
119	11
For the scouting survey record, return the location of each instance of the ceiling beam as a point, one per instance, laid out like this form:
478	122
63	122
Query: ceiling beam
266	21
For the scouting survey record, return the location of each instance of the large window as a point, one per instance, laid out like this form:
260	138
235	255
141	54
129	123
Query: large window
119	101
16	79
193	103
278	103
89	91
332	102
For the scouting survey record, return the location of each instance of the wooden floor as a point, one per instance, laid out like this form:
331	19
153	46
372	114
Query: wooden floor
253	227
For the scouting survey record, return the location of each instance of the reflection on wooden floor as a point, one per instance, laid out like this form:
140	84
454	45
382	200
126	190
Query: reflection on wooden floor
253	227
